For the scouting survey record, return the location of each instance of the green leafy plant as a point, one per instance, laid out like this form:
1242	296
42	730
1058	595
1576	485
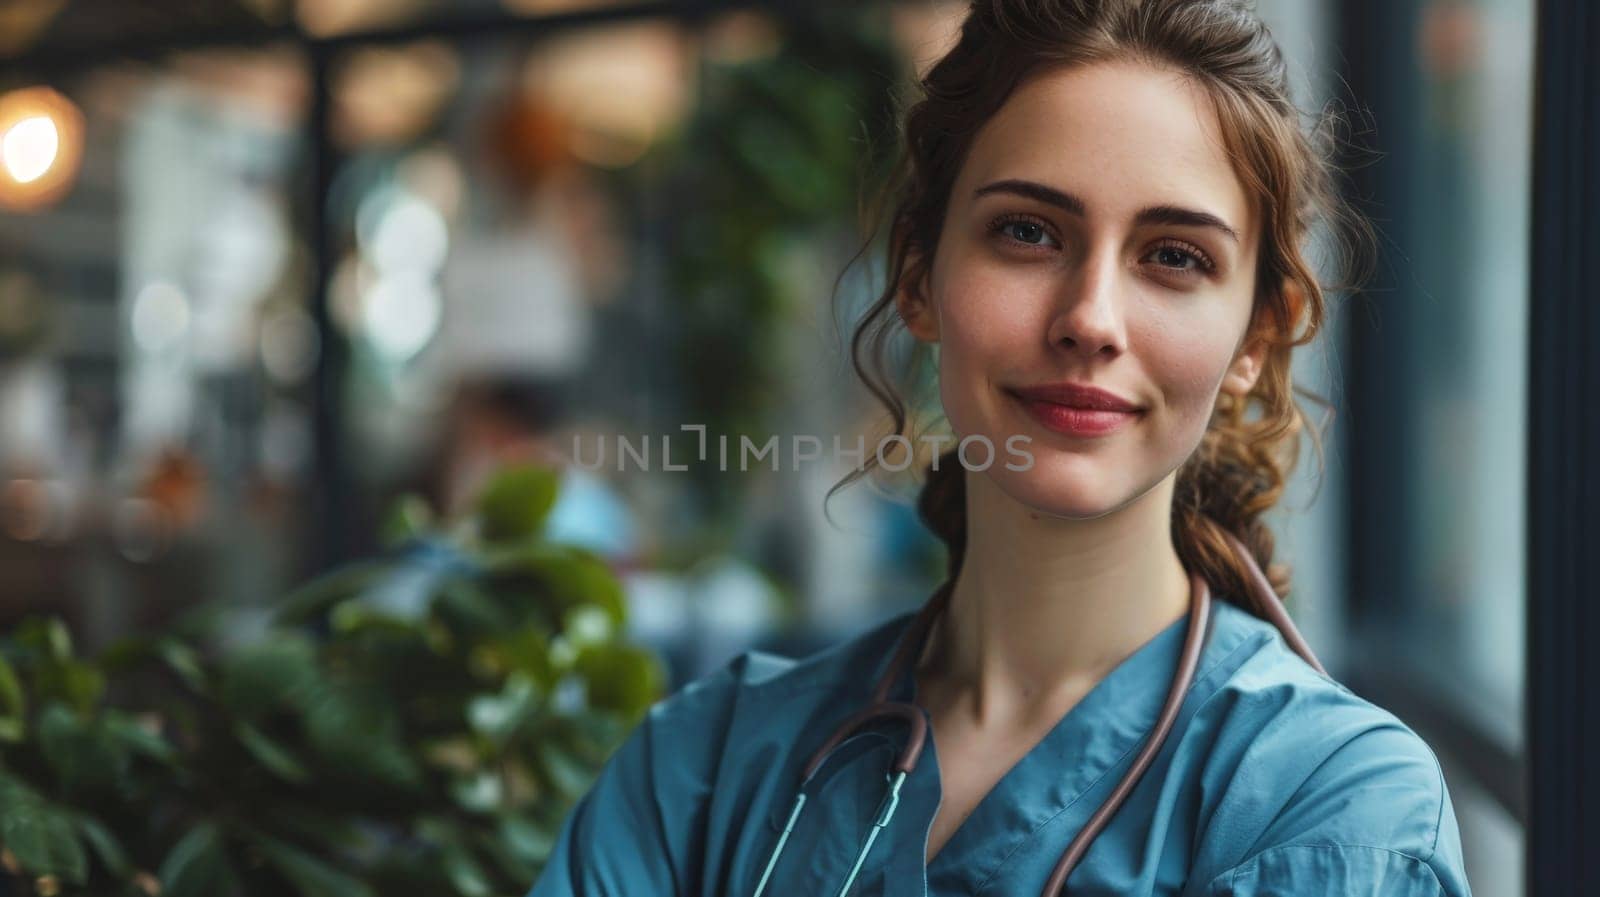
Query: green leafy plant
418	724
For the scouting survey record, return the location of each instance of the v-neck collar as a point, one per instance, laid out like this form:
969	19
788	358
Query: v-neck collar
1091	740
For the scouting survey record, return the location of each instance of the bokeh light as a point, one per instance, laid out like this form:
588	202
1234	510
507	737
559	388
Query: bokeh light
29	148
41	146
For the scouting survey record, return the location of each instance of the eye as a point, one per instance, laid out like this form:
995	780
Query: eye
1176	255
1022	229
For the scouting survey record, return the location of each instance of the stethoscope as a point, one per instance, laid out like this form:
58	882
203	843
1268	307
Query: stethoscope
1266	605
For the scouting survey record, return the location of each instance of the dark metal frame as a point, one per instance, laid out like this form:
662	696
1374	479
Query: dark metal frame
1563	666
1374	39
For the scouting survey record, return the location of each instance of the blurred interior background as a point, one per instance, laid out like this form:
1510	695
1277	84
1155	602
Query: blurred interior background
266	266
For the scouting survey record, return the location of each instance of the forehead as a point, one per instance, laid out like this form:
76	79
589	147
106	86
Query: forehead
1119	135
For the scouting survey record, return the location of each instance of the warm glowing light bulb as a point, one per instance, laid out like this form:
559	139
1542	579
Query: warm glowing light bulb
41	147
29	148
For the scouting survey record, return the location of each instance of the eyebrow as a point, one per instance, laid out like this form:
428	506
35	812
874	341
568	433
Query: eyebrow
1163	214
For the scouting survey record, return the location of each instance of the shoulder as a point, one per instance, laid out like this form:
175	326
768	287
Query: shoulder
1302	774
756	689
651	812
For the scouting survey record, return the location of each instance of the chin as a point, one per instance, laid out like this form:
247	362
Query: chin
1071	490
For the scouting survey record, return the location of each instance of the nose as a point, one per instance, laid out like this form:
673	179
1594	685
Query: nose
1087	317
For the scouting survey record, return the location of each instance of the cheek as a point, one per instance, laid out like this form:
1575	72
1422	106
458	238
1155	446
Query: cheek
987	323
1187	361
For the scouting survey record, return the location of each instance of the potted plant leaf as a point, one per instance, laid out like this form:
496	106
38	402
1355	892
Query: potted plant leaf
418	723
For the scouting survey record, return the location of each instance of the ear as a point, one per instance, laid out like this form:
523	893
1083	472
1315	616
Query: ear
1245	369
1246	366
913	303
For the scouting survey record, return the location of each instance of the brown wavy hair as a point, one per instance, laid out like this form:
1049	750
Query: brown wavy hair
1285	166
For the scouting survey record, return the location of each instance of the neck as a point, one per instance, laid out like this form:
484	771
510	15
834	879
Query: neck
1044	607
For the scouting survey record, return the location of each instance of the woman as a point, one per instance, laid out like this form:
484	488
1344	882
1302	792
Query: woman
1100	226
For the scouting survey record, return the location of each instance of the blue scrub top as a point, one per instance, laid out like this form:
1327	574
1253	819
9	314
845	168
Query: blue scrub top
1275	780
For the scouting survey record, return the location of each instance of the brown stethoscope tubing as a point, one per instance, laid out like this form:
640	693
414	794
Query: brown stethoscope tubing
1264	603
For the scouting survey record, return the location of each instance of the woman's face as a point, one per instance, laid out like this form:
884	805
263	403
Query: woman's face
1096	234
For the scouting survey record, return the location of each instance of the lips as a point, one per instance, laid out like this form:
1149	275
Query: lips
1076	395
1076	409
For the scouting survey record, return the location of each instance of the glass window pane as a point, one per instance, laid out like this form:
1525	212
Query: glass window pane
155	348
1470	261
